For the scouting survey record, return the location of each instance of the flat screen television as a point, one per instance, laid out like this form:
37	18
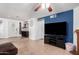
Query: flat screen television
58	28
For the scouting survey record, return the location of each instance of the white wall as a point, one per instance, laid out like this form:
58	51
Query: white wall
36	29
32	28
3	28
9	28
75	24
13	28
40	29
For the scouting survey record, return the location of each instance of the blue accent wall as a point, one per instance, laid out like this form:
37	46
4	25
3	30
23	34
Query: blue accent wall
66	16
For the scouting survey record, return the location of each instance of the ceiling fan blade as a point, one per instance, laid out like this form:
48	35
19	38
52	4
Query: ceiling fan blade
50	9
37	8
44	5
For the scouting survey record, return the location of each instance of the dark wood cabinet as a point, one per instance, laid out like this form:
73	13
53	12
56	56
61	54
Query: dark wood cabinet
56	40
25	33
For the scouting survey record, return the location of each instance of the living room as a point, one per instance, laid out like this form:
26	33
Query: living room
25	28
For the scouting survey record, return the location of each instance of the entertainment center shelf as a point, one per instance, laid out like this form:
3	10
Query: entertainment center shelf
55	34
56	40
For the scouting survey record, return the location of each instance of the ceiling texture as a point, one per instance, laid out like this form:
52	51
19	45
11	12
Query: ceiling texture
19	11
57	8
24	11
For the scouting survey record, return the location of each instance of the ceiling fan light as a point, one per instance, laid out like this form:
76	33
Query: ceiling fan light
43	5
47	5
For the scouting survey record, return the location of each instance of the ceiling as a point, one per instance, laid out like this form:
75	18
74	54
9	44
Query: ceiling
57	8
60	7
24	11
16	10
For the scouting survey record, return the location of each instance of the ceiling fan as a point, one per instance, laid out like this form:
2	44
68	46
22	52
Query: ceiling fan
43	6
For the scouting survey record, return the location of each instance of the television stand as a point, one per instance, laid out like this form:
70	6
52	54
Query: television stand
56	40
